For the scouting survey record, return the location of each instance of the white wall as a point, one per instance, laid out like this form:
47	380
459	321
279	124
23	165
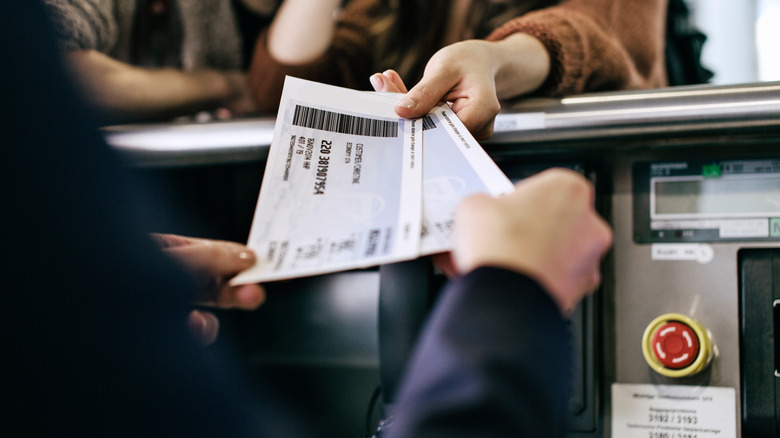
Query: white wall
768	40
730	50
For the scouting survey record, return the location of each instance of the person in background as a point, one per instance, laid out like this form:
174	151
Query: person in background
159	59
95	335
472	54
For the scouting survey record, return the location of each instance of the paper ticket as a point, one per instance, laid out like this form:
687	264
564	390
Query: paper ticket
342	185
454	166
349	185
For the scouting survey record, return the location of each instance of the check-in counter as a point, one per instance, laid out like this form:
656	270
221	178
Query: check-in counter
679	340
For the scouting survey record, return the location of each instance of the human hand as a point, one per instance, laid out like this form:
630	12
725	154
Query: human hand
461	74
474	75
547	229
240	100
213	263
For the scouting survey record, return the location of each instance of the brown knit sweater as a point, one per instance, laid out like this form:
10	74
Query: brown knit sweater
594	45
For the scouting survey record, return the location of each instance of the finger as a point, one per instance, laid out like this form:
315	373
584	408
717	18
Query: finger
223	114
396	80
421	99
595	281
389	82
378	82
486	131
213	257
607	235
171	240
204	326
445	263
245	297
478	113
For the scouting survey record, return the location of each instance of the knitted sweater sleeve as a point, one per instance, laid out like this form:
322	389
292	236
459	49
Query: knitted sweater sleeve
348	62
84	24
597	45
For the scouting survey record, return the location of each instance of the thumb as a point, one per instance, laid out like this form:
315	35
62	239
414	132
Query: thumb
421	99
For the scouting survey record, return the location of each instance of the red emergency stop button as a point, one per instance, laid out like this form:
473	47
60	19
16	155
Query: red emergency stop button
675	345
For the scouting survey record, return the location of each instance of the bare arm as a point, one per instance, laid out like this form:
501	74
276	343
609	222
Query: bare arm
131	92
302	30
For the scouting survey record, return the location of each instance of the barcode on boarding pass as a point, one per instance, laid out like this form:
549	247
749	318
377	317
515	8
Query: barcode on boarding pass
428	123
323	120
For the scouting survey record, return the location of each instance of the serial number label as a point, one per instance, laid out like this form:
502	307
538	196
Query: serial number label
673	411
676	418
671	435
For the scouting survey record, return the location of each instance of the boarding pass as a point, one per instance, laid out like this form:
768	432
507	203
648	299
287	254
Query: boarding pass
348	184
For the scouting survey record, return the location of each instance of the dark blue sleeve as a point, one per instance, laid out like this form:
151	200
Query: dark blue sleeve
93	325
493	360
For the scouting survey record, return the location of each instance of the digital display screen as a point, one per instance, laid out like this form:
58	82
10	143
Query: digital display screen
703	197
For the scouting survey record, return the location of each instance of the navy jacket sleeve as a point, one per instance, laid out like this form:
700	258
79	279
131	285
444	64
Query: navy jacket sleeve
93	326
493	360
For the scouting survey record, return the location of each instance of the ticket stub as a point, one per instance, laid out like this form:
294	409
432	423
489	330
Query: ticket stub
455	166
341	188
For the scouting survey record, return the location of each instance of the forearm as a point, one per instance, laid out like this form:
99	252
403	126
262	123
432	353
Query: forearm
521	65
139	93
302	30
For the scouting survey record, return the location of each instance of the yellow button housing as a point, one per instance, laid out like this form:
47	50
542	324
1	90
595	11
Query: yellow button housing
703	336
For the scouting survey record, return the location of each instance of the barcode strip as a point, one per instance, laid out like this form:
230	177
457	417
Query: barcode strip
343	123
428	123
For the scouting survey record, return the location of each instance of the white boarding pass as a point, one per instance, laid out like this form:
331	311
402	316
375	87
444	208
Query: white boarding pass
341	188
454	166
348	184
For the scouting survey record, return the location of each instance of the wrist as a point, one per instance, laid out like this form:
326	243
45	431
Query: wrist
564	302
522	66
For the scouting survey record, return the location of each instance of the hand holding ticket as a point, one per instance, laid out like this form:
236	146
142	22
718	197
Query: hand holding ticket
347	184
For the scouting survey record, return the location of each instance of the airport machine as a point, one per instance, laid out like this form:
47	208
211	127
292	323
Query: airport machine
679	342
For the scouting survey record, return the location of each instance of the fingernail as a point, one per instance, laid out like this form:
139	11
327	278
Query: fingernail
376	81
406	103
246	255
250	296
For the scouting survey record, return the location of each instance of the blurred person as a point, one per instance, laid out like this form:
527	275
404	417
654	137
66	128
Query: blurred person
473	54
95	331
159	59
95	327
